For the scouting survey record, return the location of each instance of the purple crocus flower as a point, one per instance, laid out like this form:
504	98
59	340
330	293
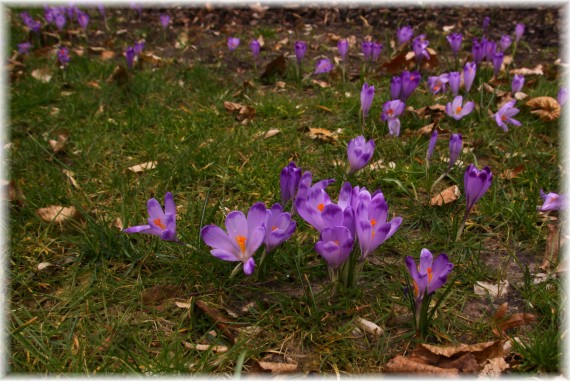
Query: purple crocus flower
404	34
475	183
335	245
130	56
278	227
490	48
323	66
419	45
49	14
519	31
372	228
409	83
63	56
562	96
160	223
376	50
342	46
233	43
165	20
478	51
289	182
391	110
497	62
30	22
366	98
101	9
138	47
455	148
395	87
24	47
300	50
367	50
82	19
431	145
517	83
359	153
242	238
60	20
429	275
455	40
457	110
505	114
255	48
505	42
438	84
469	72
317	209
454	82
486	22
552	201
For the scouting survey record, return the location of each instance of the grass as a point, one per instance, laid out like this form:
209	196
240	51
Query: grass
87	313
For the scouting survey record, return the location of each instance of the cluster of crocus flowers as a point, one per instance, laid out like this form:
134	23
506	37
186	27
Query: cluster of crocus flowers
371	50
56	15
390	113
505	115
359	153
475	184
160	223
233	43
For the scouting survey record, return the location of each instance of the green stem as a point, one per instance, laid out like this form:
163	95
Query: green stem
462	226
236	270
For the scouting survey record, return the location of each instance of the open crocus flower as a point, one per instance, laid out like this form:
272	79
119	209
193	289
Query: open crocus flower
457	110
419	45
244	236
390	113
335	245
278	227
63	56
359	153
160	223
475	183
429	275
317	209
366	98
437	84
505	114
371	226
323	66
552	201
233	43
404	34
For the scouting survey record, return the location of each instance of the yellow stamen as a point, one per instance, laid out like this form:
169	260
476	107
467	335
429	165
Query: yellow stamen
241	242
159	223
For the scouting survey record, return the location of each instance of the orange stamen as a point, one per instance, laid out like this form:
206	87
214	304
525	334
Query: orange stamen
159	223
416	289
458	110
430	274
320	207
273	228
241	242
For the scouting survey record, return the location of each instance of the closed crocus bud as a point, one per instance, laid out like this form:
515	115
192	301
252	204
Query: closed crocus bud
233	43
505	42
455	148
335	245
475	183
82	19
395	87
404	34
323	66
469	72
289	182
497	62
431	145
24	47
490	50
164	20
130	56
454	82
342	46
455	40
300	50
517	83
366	97
562	96
376	50
359	153
367	50
486	22
478	51
255	48
519	31
409	83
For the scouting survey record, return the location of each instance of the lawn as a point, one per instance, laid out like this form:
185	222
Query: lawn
100	123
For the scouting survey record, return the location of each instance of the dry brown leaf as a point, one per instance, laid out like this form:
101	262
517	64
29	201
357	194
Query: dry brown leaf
44	265
120	75
59	144
515	320
397	64
436	111
42	75
70	175
143	167
118	223
553	244
537	70
494	367
94	84
501	312
401	364
223	322
322	134
277	367
449	351
206	347
547	108
182	305
324	108
58	214
519	96
107	55
368	326
275	68
271	133
154	296
446	196
244	113
494	290
322	84
490	89
510	174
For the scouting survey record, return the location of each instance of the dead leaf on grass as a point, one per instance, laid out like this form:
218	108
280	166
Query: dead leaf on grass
118	223
404	365
278	363
44	265
275	68
494	367
206	347
107	55
369	326
446	196
143	167
223	322
120	76
94	84
436	111
323	134
155	295
553	244
494	290
510	174
42	75
58	214
70	175
322	84
547	108
513	321
537	70
242	113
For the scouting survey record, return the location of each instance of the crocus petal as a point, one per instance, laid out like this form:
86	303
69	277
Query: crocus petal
249	266
169	206
256	216
154	209
236	225
255	240
138	229
224	255
215	237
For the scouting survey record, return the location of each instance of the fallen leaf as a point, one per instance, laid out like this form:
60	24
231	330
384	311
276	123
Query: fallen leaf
42	75
44	265
70	175
278	367
369	327
107	55
494	367
324	108
396	64
322	134
94	84
501	312
537	70
515	320
143	167
244	113
59	144
120	76
553	244
491	90
547	108
118	223
436	111
510	174
494	290
223	322
206	347
401	364
519	96
446	196
155	295
271	133
322	84
58	214
182	305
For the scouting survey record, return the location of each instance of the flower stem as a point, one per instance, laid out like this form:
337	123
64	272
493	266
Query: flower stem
462	226
438	180
236	270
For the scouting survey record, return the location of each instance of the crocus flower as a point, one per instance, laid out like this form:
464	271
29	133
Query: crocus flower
30	22
469	72
562	96
437	84
342	46
49	14
165	20
409	83
497	62
457	110
455	148
454	82
552	201
478	50
404	34
300	50
391	110
323	66
367	50
317	209
505	42
455	40
63	56
486	22
278	227
505	114
101	9
160	223
490	48
335	245
519	31
130	56
366	97
419	45
82	19
138	47
429	275
289	182
255	48
60	20
243	236
376	50
517	83
395	87
359	153
475	183
431	145
233	43
372	228
24	47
